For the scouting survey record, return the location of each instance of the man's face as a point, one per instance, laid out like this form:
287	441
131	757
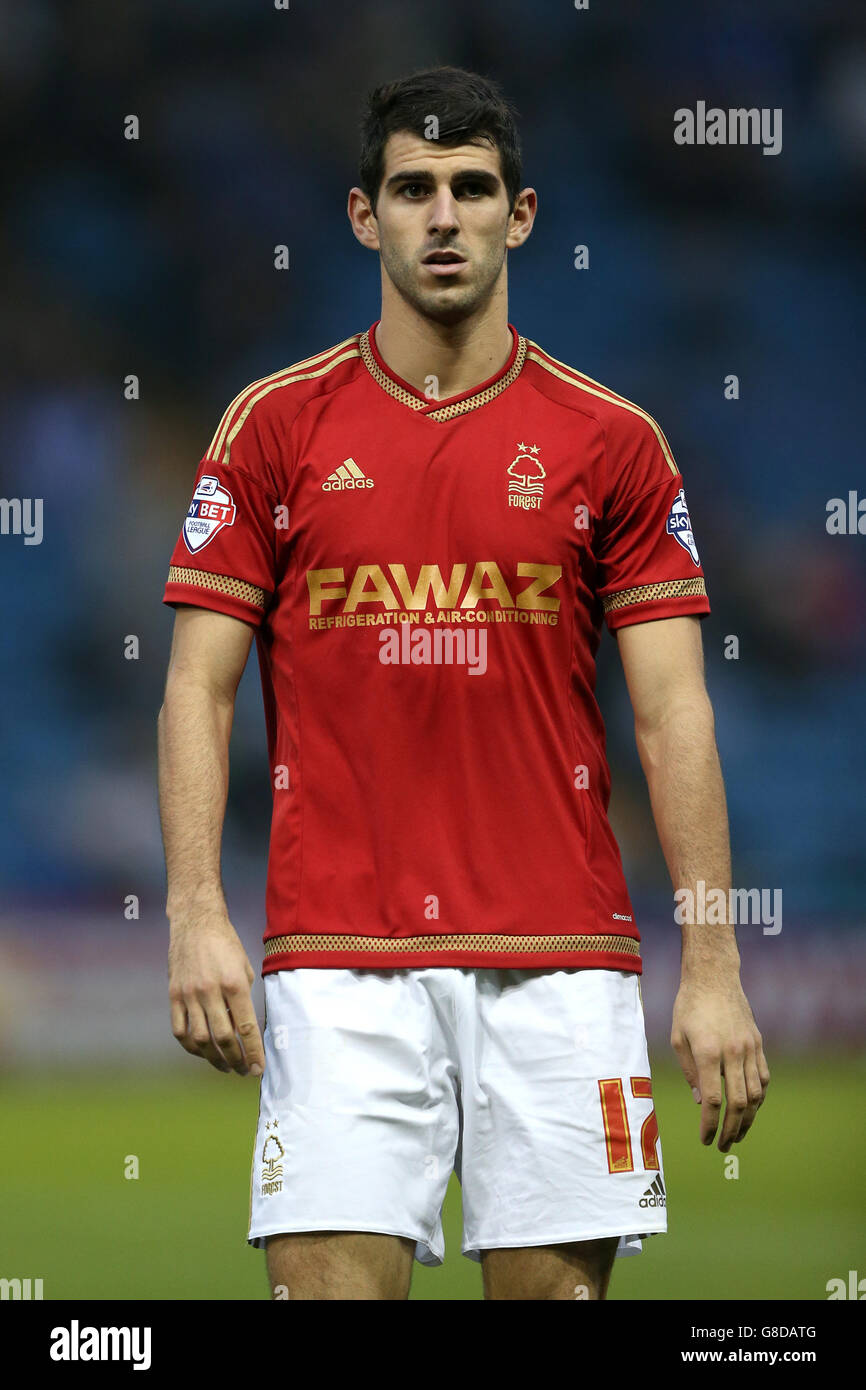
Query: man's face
442	217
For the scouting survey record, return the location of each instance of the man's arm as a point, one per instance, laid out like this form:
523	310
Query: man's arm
714	1033
210	975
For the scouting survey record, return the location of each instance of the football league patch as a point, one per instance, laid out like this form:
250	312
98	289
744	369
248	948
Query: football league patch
212	507
679	525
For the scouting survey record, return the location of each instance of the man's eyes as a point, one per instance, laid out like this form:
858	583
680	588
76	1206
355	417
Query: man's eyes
411	190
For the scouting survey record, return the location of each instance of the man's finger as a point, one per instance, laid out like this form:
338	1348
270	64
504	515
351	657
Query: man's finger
754	1096
246	1026
687	1063
736	1099
222	1030
710	1086
199	1034
180	1026
763	1069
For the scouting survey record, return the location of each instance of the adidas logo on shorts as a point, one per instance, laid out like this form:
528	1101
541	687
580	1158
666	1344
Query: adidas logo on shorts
654	1195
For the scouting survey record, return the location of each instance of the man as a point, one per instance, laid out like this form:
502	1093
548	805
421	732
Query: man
425	527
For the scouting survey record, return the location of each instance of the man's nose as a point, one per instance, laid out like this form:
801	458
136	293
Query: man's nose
443	212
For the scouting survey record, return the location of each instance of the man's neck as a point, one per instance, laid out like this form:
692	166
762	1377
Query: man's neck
459	356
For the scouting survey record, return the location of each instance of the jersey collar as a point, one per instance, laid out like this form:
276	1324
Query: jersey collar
452	405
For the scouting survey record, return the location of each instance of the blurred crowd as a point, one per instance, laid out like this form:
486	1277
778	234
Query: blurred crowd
153	258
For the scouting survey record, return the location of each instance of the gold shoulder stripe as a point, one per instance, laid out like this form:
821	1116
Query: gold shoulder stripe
227	414
218	583
284	371
275	386
646	593
607	391
603	392
217	441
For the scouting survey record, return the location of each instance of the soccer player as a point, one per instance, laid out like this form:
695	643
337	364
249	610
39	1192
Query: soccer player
425	527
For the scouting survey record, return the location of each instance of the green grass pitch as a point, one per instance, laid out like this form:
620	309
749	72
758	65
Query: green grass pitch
793	1219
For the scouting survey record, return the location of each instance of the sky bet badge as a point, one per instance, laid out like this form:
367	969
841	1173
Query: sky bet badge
211	508
679	525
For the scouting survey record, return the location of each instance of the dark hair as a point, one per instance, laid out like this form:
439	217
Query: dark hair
467	106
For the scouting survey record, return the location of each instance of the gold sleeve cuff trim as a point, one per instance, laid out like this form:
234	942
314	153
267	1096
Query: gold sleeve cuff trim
646	593
219	584
452	941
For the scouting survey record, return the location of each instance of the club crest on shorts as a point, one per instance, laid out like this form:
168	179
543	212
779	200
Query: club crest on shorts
212	507
272	1161
526	474
679	525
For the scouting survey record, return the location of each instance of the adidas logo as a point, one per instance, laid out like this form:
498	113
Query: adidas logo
348	475
654	1195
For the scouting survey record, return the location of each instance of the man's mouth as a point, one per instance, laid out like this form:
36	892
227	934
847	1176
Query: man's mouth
443	262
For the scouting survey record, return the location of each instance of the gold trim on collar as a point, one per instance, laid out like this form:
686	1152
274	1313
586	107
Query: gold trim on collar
445	412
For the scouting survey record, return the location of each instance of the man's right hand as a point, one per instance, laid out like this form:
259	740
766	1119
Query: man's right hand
209	979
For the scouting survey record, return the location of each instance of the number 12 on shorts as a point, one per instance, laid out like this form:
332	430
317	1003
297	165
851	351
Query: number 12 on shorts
617	1136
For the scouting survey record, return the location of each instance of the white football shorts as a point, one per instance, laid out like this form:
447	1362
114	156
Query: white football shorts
532	1085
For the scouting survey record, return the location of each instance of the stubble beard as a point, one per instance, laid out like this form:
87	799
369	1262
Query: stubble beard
444	303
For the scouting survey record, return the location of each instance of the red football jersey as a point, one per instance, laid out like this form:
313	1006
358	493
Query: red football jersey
427	580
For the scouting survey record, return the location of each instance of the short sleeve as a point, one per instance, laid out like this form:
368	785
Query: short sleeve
225	555
648	565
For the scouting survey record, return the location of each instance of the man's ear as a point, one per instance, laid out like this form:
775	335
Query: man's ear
522	217
363	219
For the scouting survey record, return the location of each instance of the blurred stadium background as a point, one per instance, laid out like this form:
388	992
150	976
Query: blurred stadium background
154	257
